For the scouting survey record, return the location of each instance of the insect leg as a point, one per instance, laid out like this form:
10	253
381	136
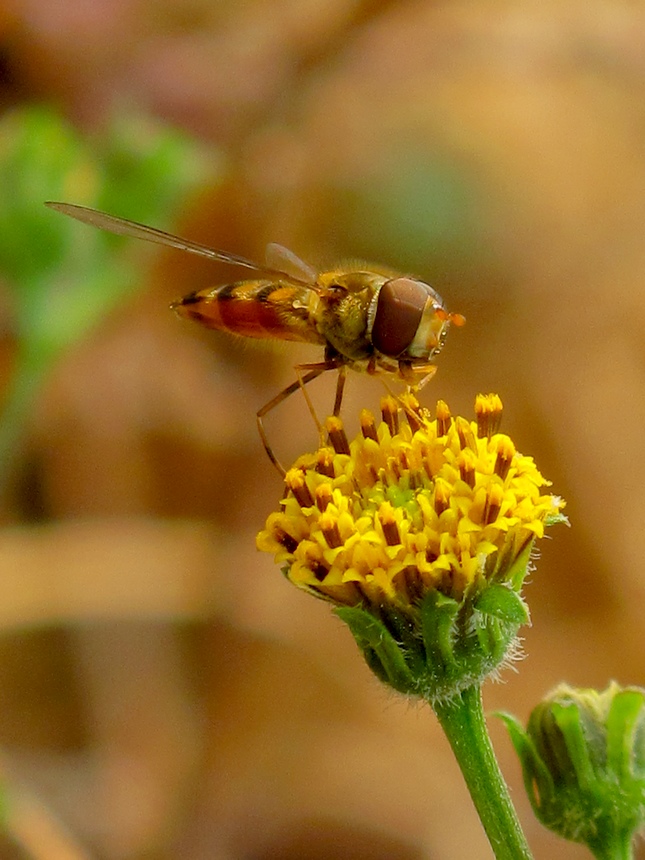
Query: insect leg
340	388
299	368
329	364
409	375
428	370
314	370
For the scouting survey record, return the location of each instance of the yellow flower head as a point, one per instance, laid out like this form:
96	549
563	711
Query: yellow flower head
412	505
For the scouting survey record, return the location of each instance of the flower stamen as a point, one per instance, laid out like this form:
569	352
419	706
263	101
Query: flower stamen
325	462
323	497
368	427
467	437
505	454
441	497
494	499
444	418
413	412
388	524
466	463
330	530
337	435
488	410
390	413
285	540
295	481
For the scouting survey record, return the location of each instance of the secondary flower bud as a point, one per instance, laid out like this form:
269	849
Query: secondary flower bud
583	759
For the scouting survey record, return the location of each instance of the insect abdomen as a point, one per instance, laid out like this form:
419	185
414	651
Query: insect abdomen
261	309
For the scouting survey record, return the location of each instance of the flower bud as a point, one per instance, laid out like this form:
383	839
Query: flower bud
583	760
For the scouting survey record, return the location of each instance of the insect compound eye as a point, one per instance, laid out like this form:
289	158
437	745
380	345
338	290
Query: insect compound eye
399	310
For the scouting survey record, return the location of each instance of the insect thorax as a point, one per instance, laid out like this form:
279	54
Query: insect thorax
343	323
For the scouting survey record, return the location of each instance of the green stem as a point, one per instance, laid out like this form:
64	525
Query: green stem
462	719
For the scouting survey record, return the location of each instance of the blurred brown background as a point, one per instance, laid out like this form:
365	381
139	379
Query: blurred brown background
165	693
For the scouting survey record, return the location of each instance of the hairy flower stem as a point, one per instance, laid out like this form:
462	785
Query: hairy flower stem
462	719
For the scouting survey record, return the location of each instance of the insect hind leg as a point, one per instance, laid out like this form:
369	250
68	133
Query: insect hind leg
313	372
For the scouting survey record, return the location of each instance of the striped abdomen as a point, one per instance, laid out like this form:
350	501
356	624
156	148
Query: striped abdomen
263	309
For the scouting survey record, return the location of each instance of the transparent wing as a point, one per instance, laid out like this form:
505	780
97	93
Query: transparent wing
123	227
281	258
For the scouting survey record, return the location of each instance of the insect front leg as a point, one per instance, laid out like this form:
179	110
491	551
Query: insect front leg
429	371
410	374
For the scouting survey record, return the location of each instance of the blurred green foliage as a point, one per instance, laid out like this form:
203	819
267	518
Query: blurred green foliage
420	213
62	276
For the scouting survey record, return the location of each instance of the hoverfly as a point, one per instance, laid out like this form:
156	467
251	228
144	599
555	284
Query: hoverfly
369	319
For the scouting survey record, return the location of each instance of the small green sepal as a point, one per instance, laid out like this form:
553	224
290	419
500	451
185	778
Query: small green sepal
502	602
383	654
441	649
438	615
537	778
